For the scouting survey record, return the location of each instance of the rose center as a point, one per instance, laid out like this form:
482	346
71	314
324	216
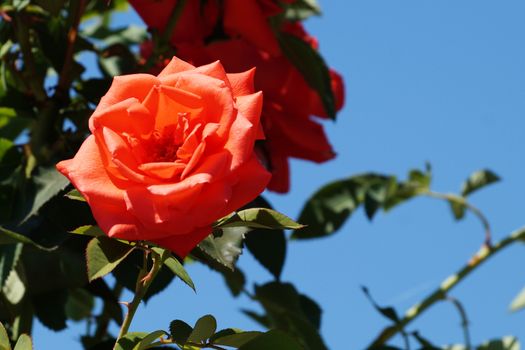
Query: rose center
166	143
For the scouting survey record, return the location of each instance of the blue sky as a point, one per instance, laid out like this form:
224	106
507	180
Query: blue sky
437	81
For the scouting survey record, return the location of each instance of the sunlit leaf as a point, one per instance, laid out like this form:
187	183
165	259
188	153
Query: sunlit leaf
4	339
258	218
24	343
519	301
176	267
103	254
129	340
224	249
148	339
75	195
89	230
478	180
204	328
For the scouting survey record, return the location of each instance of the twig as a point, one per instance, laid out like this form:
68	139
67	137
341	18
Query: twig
464	320
463	202
441	293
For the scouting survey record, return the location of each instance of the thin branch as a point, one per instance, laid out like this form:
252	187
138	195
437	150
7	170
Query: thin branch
464	320
484	254
463	202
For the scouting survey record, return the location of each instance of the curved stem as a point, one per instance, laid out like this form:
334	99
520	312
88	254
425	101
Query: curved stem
484	254
464	320
453	198
144	281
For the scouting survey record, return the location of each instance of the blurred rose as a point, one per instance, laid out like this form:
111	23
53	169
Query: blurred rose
170	154
290	104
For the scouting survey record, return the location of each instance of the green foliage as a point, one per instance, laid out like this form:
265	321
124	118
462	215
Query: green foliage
233	337
204	329
478	180
301	9
103	255
180	331
4	339
258	218
24	342
274	339
176	267
286	311
519	301
223	250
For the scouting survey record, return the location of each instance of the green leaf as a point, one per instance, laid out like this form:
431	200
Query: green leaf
79	304
458	209
9	255
388	312
176	267
148	339
519	301
14	288
233	337
13	122
49	182
258	218
301	9
129	341
235	280
478	180
180	331
506	343
312	67
269	248
4	339
89	230
103	255
224	249
274	339
50	308
75	195
9	237
24	343
282	303
204	328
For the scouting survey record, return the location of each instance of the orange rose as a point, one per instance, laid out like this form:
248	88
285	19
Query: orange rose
170	154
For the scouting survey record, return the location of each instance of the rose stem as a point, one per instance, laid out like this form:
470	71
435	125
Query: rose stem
144	281
441	293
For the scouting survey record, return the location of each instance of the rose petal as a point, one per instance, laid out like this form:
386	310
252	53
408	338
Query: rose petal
127	86
87	173
242	83
176	65
183	244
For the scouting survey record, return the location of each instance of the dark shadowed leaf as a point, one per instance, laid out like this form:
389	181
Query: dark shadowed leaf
478	180
180	331
204	328
49	182
311	310
269	248
235	280
233	337
50	308
273	339
79	304
388	312
506	343
103	254
10	237
129	341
